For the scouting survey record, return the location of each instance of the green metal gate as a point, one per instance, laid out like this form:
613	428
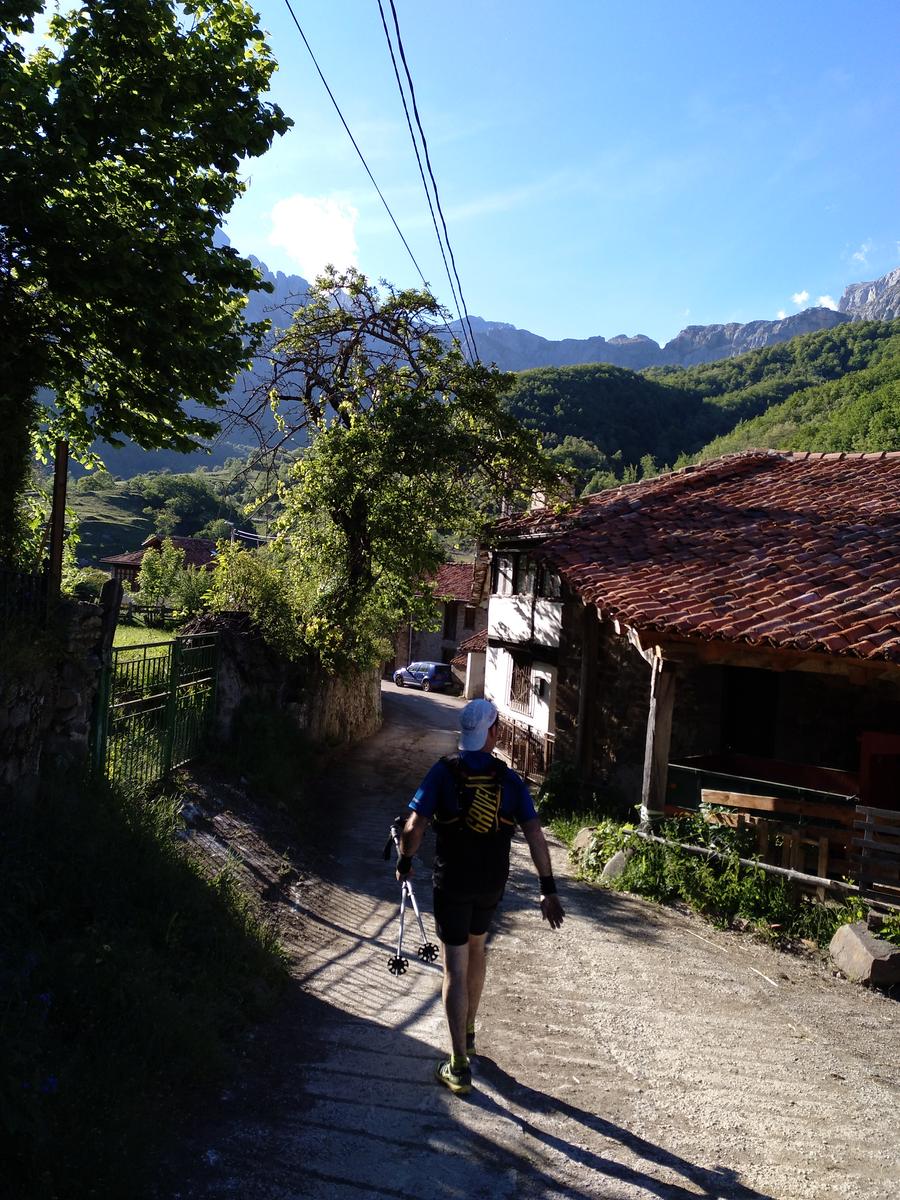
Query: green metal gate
156	702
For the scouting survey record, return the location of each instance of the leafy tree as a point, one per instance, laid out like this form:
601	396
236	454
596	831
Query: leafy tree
158	578
405	438
183	504
120	145
256	582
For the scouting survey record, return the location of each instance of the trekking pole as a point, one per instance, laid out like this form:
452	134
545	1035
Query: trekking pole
427	951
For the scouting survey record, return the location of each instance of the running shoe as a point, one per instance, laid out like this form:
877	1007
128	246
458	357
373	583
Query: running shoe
458	1080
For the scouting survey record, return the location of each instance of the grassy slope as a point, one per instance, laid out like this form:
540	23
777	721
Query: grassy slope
109	523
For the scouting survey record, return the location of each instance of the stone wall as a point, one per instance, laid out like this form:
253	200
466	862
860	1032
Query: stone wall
48	687
327	708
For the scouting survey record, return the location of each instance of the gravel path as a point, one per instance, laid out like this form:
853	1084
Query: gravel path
634	1053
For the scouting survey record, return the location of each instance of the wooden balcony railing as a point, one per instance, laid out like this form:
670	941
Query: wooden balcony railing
527	750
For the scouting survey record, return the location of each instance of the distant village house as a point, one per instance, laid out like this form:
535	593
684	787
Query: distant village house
198	553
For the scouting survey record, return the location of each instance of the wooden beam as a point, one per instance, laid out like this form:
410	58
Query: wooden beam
659	737
770	658
584	732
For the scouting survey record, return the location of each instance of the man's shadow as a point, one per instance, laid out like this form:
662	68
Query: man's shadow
718	1183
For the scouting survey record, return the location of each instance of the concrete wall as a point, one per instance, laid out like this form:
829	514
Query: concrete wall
525	619
540	714
473	687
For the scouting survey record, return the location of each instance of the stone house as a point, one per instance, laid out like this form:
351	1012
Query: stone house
460	617
198	552
740	619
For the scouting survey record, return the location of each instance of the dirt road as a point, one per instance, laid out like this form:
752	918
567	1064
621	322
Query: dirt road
634	1053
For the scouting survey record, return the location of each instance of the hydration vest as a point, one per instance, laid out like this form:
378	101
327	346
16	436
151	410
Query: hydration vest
473	839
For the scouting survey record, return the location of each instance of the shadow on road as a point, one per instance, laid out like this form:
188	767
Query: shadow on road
717	1183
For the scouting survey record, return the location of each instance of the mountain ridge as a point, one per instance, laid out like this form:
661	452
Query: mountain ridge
514	349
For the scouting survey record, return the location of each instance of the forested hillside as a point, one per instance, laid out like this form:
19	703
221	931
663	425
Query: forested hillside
607	422
838	389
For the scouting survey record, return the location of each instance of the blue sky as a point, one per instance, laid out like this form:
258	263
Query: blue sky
604	168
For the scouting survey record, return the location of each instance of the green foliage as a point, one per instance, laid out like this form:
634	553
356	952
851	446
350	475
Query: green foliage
123	137
125	971
724	890
159	576
257	582
86	583
406	438
184	504
831	390
858	412
890	929
613	410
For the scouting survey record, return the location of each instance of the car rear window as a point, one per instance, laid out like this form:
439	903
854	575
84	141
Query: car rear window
442	670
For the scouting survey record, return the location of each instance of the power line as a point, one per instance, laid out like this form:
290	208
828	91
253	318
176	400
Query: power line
470	345
412	93
355	145
360	154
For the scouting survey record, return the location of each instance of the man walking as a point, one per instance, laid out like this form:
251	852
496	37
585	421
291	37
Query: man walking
475	802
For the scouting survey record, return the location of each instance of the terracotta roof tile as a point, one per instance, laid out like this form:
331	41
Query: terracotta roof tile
793	550
453	581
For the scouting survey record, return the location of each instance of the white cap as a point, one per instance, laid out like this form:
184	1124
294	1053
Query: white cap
474	722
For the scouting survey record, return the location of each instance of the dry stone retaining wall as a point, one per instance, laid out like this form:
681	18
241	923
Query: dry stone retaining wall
48	688
327	708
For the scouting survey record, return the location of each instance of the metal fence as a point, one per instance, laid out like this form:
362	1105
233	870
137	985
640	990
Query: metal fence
155	705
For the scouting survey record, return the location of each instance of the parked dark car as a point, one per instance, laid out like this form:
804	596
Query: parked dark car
429	676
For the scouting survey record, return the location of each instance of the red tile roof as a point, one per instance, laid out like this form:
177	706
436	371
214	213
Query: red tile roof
453	581
198	552
796	551
475	644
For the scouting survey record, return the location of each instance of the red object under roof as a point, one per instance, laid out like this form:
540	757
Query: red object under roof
795	551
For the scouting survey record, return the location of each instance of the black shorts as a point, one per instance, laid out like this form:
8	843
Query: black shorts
456	915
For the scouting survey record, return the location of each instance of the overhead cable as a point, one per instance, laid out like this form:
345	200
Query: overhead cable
412	93
359	152
470	346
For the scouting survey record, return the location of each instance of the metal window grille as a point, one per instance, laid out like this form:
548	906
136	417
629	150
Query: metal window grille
520	687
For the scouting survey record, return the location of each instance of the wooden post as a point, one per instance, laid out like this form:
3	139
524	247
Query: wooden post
659	736
57	523
584	733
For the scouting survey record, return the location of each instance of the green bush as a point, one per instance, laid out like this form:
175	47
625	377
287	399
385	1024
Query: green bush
125	971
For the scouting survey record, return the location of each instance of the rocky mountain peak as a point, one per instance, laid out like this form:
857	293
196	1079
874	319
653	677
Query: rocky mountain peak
875	301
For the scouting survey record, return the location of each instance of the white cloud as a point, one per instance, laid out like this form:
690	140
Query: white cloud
315	231
862	254
781	314
800	297
827	302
